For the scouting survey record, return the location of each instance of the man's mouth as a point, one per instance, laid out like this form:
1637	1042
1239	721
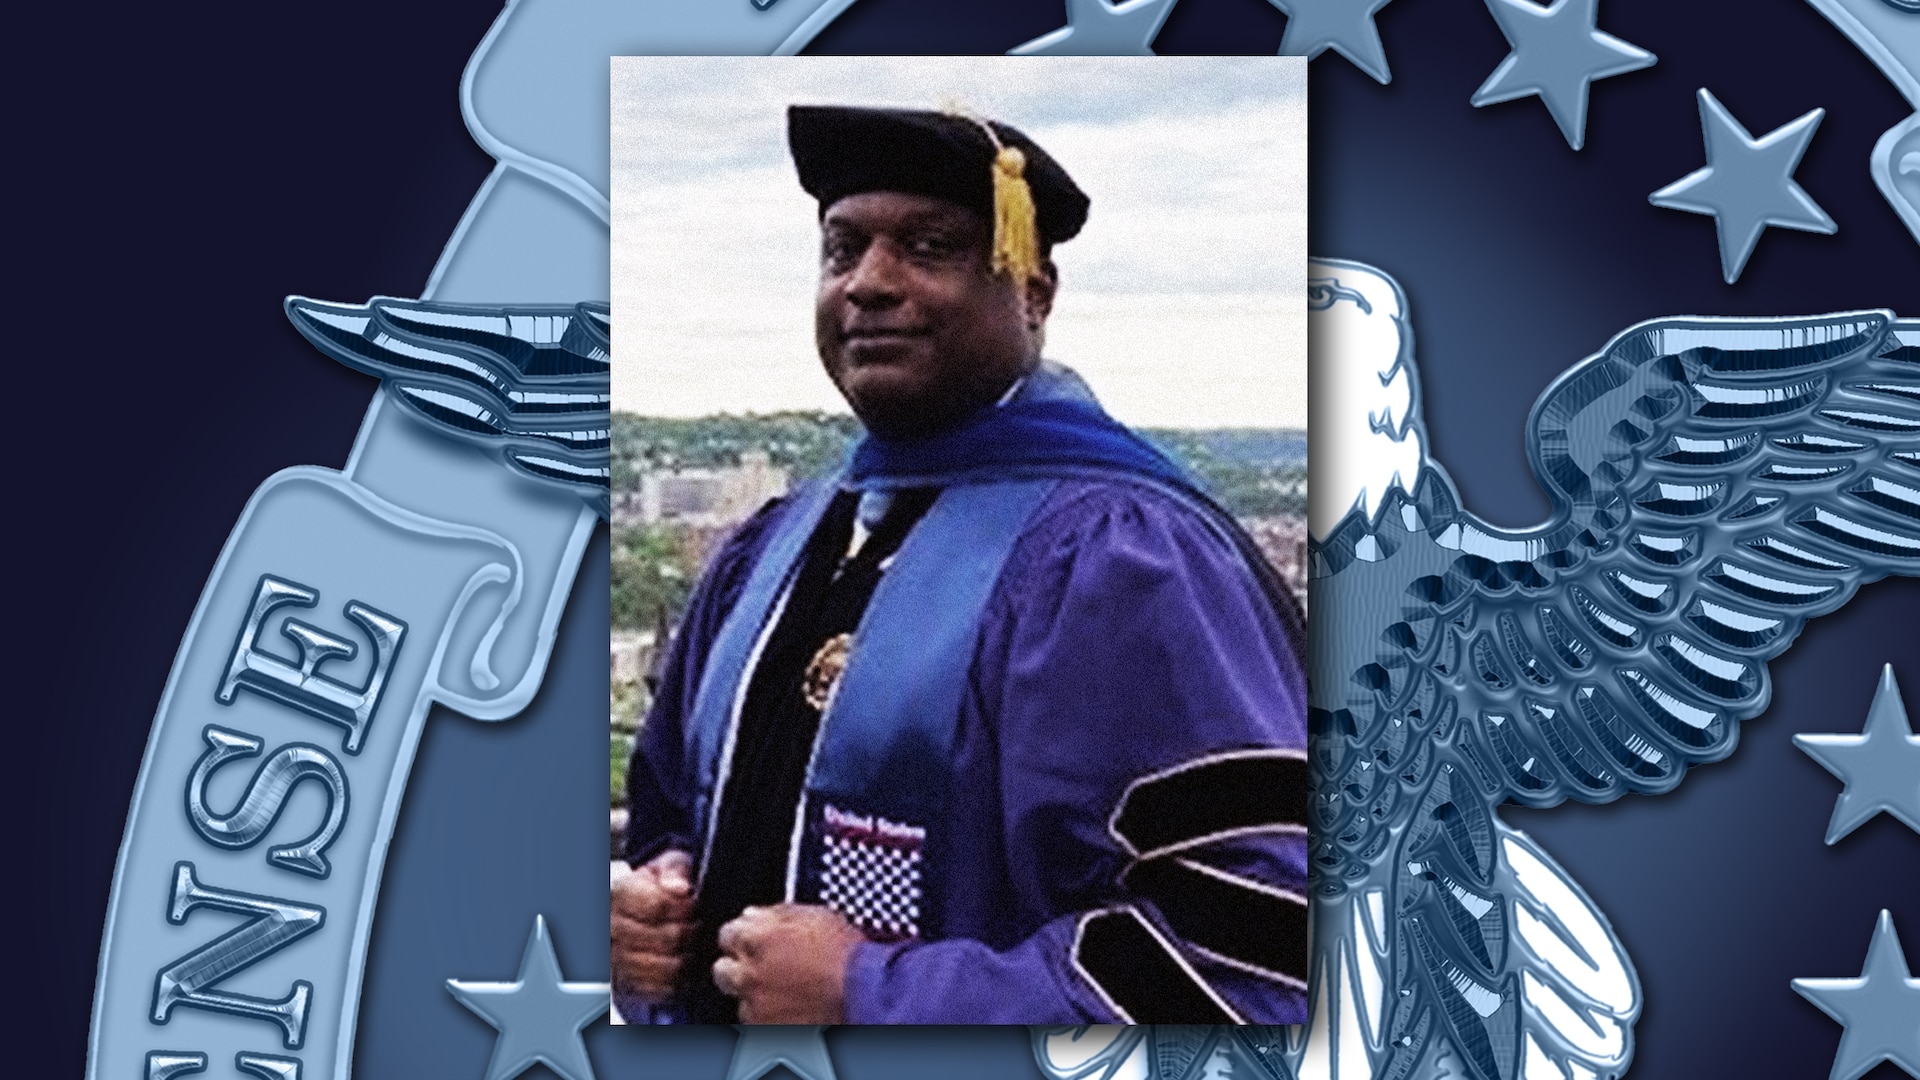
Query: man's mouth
859	335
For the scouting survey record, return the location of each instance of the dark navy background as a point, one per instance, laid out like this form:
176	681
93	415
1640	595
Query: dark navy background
179	169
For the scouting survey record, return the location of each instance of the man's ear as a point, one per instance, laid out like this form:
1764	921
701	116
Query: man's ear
1041	285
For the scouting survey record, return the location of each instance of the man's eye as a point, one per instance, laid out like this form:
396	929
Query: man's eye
839	254
931	246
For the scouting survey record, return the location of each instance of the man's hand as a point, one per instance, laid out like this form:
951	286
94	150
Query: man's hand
787	964
652	924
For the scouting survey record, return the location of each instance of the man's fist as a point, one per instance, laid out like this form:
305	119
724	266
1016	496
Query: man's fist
652	924
787	964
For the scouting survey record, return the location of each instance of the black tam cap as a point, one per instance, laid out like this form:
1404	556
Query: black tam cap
841	151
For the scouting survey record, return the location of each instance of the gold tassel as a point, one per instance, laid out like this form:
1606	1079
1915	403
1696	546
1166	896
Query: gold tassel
1016	232
1016	228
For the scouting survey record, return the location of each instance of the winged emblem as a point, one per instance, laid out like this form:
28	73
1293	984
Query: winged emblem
1716	483
525	383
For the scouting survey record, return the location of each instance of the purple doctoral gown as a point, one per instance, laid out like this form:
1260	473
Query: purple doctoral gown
1127	818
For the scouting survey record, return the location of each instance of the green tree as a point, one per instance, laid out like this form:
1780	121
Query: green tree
621	746
652	576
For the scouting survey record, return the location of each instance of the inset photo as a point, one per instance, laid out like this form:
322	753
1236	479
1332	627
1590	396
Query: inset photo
959	540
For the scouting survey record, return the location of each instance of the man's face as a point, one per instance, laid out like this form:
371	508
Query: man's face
913	325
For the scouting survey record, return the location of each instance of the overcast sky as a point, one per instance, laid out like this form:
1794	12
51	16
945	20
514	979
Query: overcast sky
1183	301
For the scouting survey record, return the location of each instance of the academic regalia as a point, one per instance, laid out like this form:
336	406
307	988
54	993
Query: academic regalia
1040	734
1123	782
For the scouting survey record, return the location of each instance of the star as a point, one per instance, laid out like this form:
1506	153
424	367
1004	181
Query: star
1747	184
1880	766
1097	28
1556	55
1346	26
765	1048
1878	1009
539	1015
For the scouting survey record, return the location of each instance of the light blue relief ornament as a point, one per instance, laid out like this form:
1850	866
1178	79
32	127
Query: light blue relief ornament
1557	54
1345	26
430	571
1880	766
797	1048
1888	33
1716	483
539	1014
162	1065
1747	183
432	528
1099	28
1880	1009
1162	1052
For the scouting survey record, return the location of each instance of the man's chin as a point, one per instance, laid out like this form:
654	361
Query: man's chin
891	399
901	399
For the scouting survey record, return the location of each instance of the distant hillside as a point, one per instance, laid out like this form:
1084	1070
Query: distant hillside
1253	472
804	443
1248	446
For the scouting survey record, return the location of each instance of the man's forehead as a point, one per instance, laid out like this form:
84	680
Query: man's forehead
898	209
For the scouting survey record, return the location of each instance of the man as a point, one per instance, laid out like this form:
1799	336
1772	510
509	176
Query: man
1005	723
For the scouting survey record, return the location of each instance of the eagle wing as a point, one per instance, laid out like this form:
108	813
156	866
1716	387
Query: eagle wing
527	383
1716	484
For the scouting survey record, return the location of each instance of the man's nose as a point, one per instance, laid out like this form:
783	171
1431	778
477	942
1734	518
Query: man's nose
875	279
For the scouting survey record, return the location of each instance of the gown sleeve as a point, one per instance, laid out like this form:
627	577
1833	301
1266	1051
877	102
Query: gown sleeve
660	790
1132	846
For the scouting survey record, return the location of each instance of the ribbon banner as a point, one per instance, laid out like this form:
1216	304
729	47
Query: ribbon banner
345	605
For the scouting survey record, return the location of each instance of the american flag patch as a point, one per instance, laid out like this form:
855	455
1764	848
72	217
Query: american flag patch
870	872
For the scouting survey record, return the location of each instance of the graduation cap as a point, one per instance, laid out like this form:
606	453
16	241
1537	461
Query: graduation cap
983	164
